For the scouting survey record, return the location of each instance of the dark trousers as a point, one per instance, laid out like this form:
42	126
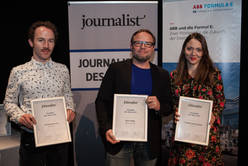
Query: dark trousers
52	155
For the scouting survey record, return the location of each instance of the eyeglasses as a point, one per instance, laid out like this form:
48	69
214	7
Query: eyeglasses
146	44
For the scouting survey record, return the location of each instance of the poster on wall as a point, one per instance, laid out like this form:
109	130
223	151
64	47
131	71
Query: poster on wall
100	34
220	22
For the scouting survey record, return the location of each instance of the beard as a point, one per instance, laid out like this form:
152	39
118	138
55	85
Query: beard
141	59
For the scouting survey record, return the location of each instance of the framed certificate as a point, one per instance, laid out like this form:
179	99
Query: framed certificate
194	123
51	116
130	117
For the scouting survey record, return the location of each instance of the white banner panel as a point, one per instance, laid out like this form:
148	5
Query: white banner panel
218	20
90	67
102	31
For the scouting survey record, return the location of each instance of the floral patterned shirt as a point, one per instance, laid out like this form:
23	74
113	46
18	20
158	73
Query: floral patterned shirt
192	154
34	80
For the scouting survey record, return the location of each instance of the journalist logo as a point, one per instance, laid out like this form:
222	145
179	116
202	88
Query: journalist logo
121	21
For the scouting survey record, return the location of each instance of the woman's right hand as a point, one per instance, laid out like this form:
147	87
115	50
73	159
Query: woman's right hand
176	116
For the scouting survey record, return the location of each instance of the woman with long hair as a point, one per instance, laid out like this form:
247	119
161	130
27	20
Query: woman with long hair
197	77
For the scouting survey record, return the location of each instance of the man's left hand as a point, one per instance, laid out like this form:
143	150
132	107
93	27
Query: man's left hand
70	115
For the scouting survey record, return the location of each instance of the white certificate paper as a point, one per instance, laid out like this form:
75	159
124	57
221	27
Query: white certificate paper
130	117
52	126
194	122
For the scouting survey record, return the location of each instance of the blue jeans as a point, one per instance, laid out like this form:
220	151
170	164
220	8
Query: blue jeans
139	151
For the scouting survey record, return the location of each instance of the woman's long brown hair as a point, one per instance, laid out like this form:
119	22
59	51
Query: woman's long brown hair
205	68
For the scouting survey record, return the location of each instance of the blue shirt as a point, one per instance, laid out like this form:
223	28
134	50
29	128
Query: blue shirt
141	82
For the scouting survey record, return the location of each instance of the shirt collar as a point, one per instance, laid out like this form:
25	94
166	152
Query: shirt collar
40	64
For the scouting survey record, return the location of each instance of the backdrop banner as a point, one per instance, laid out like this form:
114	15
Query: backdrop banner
220	22
99	34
